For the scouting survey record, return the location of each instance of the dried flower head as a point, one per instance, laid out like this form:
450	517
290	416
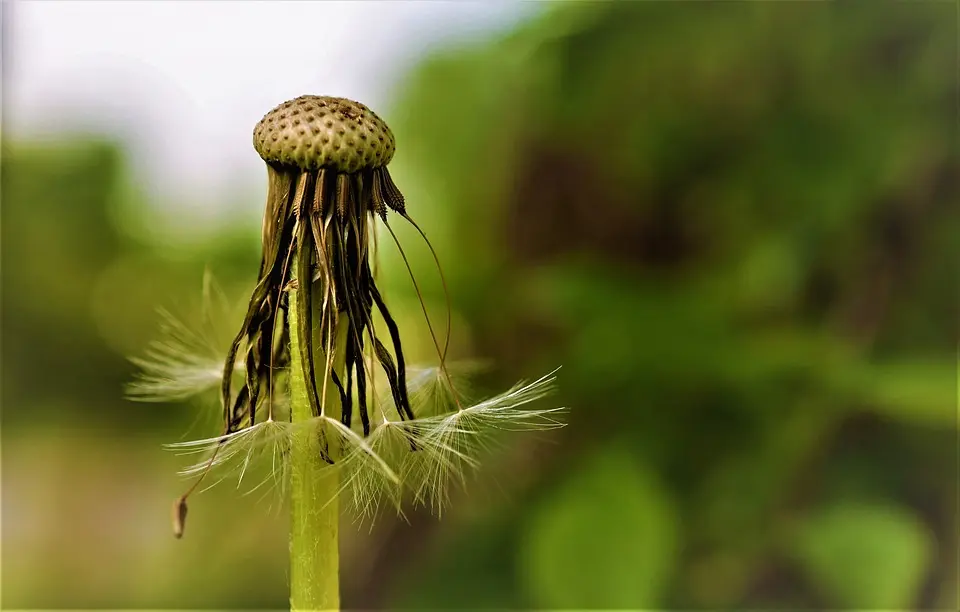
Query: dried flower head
328	183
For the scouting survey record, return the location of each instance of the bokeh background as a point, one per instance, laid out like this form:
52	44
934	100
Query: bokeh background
735	226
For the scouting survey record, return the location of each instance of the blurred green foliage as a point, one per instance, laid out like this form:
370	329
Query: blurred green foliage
631	542
734	225
865	556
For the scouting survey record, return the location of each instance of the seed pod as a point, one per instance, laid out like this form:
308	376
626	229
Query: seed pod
179	516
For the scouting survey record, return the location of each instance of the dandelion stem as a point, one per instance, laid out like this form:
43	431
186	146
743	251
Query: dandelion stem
314	483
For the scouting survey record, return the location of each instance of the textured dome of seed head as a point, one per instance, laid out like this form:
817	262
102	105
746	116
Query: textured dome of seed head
314	132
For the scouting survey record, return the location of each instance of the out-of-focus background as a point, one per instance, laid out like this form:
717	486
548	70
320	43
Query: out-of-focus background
734	225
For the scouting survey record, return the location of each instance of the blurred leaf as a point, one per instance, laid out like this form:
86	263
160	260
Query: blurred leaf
865	556
916	391
608	538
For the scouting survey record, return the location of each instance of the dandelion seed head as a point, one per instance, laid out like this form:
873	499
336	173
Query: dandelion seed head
317	330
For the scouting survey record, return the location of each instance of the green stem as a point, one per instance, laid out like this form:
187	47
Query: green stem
314	484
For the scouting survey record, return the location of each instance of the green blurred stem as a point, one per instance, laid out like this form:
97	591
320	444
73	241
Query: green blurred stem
314	483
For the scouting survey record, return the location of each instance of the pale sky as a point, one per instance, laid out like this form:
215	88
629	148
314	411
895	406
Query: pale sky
182	83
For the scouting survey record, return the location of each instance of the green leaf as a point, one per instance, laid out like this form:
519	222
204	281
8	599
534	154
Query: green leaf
865	556
924	392
608	538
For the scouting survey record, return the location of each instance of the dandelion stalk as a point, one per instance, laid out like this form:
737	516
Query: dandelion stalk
314	484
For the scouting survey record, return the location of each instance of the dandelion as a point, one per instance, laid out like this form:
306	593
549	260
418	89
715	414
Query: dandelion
297	383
